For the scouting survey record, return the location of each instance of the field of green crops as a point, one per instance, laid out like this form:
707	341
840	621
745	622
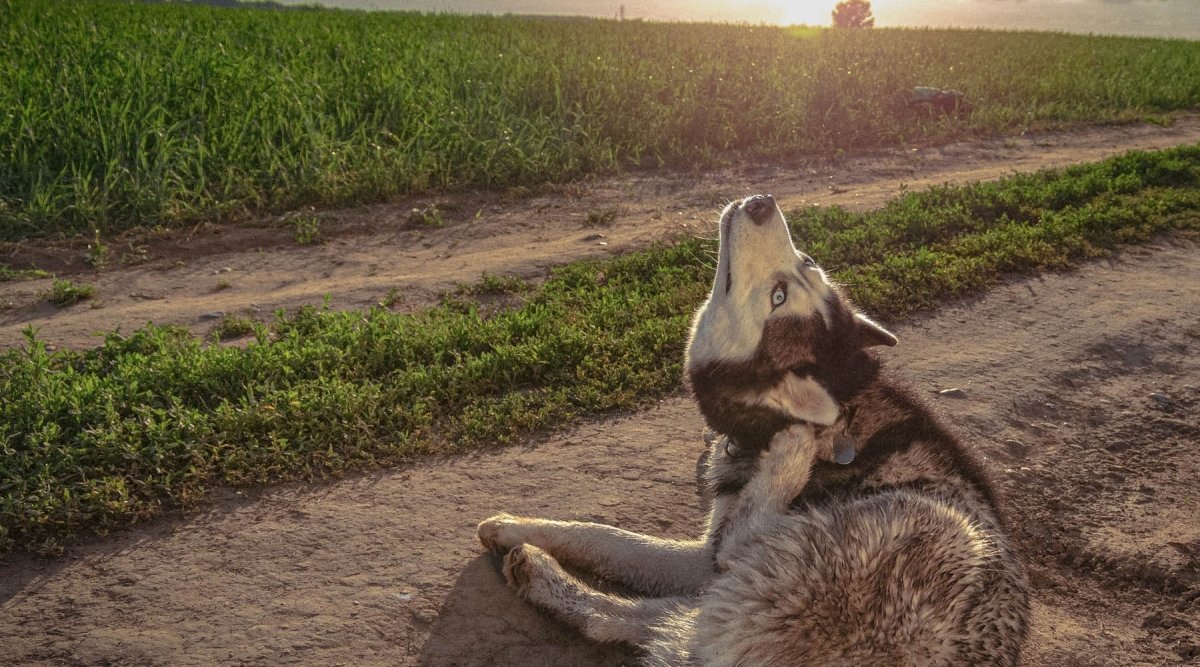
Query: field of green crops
116	114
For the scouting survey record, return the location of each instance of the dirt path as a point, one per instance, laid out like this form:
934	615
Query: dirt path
1082	392
191	279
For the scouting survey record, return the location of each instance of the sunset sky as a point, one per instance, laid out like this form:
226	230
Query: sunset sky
1158	18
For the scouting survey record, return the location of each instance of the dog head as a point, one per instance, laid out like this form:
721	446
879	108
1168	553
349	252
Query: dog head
776	343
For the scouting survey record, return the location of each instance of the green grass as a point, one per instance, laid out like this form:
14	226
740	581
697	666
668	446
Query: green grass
490	283
64	293
152	419
233	326
430	216
98	254
308	229
117	114
8	273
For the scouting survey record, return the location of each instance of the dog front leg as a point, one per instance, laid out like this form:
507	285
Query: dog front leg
648	564
782	473
538	578
784	470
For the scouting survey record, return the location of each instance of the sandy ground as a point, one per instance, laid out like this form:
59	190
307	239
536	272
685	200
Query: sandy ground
1082	393
194	277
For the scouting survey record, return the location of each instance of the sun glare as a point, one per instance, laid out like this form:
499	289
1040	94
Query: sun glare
812	12
785	12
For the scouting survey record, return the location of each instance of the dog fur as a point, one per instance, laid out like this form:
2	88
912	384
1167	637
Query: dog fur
897	556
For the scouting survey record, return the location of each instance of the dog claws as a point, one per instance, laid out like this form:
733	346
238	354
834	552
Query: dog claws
516	568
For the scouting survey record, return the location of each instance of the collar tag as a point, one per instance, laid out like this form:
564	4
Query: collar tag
843	449
731	447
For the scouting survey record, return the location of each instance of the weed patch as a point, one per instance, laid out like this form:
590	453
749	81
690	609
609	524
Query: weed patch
64	293
601	217
491	283
308	229
430	216
98	254
8	273
233	326
390	299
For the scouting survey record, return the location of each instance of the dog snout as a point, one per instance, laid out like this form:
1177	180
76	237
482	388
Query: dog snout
760	208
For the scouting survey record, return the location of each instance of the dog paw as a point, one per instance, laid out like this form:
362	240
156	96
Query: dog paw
498	533
516	571
525	565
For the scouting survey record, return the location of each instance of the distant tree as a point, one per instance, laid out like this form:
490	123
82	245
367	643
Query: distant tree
853	14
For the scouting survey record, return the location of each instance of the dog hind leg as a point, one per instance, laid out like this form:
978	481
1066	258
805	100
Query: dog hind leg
602	617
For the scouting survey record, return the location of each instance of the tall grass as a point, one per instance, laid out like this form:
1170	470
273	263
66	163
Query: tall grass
101	438
118	114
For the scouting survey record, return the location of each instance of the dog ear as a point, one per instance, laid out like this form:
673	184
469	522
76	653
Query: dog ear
872	333
802	397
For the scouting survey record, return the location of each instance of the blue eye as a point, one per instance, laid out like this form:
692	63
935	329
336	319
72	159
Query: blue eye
778	296
809	263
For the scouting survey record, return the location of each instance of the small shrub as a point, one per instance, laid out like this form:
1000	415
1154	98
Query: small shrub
65	293
98	253
430	216
491	283
391	298
234	326
308	229
602	217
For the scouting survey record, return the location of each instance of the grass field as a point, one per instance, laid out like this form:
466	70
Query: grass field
95	439
116	114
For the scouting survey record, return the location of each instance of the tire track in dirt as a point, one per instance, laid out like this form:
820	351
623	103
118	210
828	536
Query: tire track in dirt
1063	376
192	277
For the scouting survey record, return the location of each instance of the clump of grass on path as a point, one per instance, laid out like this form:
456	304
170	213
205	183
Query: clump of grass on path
8	273
153	419
65	292
119	114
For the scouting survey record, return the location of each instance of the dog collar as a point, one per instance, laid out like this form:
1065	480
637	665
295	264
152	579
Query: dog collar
732	450
845	445
843	449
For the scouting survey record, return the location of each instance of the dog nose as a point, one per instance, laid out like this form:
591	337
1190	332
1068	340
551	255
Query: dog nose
760	208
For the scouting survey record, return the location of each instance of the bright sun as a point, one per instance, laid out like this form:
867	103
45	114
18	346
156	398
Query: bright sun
794	12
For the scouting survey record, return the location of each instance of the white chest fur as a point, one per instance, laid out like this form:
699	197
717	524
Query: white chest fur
781	473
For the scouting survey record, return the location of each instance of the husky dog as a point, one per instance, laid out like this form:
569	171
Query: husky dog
847	526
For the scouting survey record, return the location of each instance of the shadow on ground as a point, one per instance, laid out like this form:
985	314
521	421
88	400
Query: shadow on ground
483	623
